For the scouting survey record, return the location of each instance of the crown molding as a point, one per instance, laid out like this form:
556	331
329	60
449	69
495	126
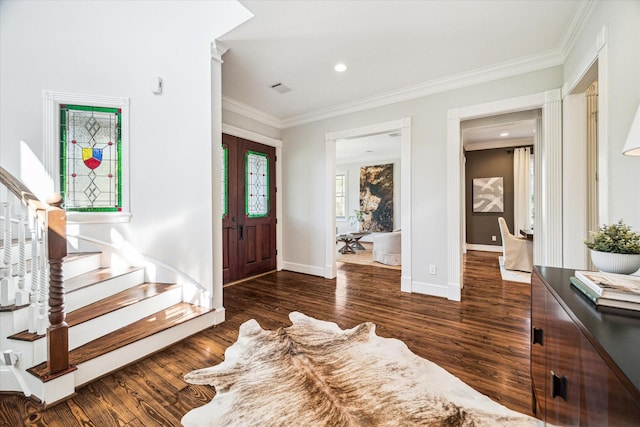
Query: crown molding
236	106
217	50
481	75
583	12
531	63
551	58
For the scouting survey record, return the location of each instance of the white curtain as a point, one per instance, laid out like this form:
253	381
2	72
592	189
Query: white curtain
521	191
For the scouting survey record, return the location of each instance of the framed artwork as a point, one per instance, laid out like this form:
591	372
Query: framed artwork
488	194
376	197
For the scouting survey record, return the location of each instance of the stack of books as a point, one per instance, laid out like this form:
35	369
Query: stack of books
608	289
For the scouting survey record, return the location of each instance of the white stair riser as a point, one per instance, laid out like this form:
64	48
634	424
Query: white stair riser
95	328
64	386
87	295
116	359
78	266
32	352
70	269
9	380
52	391
35	352
12	322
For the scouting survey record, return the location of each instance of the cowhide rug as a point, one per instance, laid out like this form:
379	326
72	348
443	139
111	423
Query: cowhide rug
315	374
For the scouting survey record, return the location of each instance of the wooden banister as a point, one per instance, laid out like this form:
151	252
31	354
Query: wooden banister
23	194
52	219
58	331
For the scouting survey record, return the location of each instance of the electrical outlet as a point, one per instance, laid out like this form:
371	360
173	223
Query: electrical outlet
432	269
493	238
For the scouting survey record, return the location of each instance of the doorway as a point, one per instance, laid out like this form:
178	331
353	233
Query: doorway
490	146
548	158
249	209
403	126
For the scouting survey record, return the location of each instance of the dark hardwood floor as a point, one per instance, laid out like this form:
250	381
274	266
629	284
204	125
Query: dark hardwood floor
484	340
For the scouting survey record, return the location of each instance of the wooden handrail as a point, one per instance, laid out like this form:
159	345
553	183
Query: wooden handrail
23	194
52	218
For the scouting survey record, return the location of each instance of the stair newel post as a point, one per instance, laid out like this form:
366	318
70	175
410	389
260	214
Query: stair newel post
58	331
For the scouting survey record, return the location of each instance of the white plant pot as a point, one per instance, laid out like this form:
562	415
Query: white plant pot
615	263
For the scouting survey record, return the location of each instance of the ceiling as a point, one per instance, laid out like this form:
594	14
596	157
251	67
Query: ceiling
499	135
370	148
394	50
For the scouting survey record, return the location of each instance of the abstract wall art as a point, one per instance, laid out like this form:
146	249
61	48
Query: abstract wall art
376	197
488	194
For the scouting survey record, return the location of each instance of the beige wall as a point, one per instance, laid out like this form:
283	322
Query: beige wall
304	169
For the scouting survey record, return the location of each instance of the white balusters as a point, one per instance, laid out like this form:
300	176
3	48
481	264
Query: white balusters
6	259
43	292
35	276
22	294
6	263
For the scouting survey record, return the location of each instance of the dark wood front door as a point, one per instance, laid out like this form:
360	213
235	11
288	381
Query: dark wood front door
249	220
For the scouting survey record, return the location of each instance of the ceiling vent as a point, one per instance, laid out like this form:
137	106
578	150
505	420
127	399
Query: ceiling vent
281	88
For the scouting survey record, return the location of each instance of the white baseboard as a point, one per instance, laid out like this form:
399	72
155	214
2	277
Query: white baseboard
430	289
486	248
303	268
405	284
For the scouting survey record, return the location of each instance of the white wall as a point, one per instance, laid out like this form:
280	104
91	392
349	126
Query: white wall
245	123
352	171
304	172
118	49
619	19
574	188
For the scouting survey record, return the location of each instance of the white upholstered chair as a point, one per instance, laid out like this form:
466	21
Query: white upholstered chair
517	252
386	248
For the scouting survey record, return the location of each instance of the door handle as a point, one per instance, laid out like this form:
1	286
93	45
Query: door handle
538	336
240	232
558	386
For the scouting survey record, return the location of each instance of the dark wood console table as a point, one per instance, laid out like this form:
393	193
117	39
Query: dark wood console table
585	364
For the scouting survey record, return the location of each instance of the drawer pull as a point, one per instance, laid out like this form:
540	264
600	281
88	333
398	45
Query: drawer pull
558	386
538	336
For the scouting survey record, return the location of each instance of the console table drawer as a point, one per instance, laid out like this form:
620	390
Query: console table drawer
575	381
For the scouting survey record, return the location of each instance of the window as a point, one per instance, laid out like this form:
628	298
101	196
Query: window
257	184
341	196
90	158
225	180
99	191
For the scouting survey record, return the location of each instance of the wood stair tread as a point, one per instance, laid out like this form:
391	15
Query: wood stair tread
96	276
146	327
121	299
107	305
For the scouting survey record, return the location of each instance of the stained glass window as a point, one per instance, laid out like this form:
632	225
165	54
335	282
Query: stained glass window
257	184
91	158
225	180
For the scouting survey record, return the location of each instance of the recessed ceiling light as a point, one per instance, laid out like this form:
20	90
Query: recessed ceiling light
340	67
504	134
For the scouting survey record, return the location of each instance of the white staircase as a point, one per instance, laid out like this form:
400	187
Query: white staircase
115	317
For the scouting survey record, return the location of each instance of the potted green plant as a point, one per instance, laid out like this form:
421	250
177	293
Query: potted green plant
357	217
615	248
